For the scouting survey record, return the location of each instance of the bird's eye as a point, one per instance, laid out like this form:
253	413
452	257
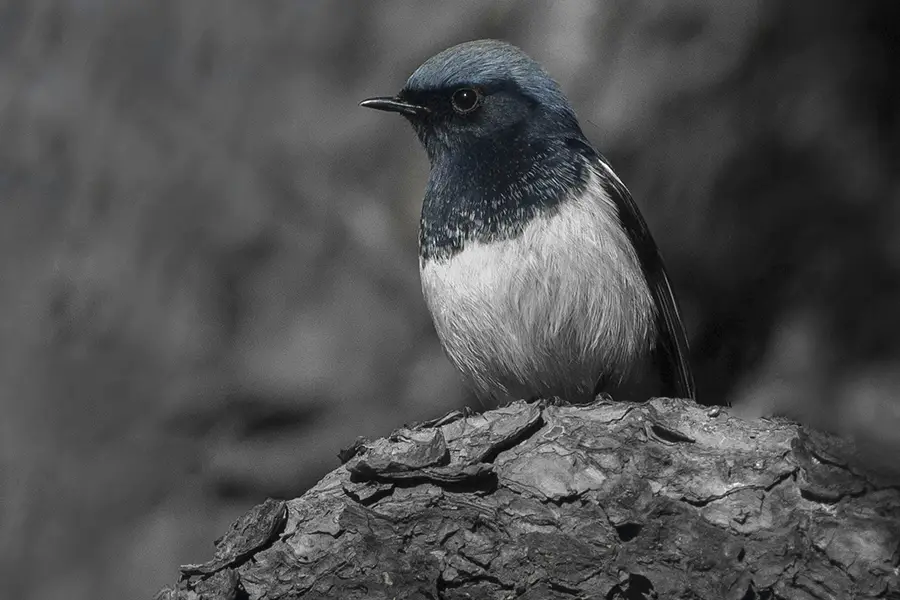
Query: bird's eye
465	100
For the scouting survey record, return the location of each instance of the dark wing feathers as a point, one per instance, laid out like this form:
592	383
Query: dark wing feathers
672	345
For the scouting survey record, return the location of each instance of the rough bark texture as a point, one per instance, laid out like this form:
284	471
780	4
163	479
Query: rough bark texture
615	501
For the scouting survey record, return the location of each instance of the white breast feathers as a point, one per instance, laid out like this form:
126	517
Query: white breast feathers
551	311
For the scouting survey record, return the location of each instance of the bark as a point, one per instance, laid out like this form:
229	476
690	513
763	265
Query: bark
611	500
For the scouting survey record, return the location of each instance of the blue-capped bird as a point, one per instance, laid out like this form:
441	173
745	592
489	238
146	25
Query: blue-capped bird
540	273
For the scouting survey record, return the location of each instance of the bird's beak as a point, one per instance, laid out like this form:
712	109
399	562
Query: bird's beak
394	105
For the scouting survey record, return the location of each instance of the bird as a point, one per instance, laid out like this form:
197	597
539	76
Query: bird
538	269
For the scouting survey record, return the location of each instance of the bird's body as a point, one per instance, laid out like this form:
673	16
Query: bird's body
534	315
540	274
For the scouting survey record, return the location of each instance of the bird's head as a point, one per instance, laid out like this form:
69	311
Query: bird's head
480	93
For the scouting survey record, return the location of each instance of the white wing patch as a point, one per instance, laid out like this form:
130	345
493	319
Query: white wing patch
610	172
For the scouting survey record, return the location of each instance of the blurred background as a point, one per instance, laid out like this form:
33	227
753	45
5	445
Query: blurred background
208	267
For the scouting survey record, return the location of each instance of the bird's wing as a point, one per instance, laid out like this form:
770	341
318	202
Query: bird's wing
672	345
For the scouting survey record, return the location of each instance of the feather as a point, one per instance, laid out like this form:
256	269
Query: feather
673	353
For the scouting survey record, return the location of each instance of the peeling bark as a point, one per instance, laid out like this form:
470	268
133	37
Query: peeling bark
611	500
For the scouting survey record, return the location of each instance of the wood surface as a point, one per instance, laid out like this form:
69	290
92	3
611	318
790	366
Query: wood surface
610	500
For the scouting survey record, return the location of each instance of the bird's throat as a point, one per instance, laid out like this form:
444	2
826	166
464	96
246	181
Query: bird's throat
488	192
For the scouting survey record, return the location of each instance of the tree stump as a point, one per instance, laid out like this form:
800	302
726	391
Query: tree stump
609	500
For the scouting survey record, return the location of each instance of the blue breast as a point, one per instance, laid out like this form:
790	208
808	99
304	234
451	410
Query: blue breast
494	189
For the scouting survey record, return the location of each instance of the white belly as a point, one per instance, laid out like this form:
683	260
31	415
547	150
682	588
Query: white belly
550	312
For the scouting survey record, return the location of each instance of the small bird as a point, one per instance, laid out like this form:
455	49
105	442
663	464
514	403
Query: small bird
540	273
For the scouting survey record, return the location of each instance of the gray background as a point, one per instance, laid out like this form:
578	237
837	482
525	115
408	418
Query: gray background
208	272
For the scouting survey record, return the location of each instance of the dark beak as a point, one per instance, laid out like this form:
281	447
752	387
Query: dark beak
394	105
